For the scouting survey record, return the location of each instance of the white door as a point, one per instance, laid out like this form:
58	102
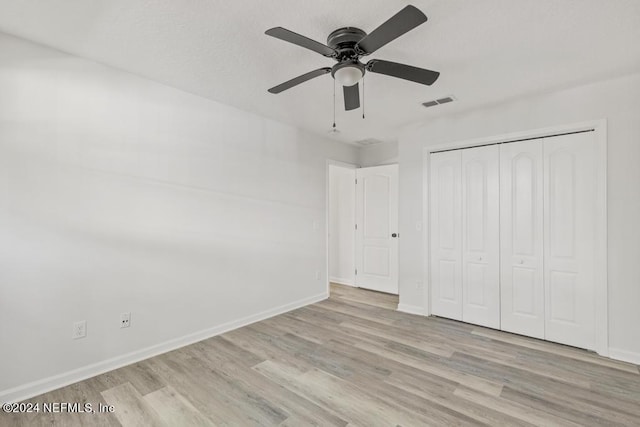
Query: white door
521	248
480	236
445	234
377	228
569	235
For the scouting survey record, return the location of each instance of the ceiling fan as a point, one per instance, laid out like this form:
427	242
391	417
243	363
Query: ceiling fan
347	45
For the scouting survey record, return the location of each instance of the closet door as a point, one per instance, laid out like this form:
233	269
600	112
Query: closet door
569	237
480	236
446	220
521	248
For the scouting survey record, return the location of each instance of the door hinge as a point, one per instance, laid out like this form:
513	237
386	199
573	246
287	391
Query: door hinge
356	271
356	181
356	226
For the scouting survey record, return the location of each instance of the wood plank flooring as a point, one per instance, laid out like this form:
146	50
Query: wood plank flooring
354	360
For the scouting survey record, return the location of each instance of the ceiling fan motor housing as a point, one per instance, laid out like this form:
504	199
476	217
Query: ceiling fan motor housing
344	41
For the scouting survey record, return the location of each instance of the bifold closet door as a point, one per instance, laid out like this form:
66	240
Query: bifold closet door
480	236
569	238
521	247
445	232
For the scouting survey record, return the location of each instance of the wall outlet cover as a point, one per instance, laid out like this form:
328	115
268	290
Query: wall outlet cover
79	330
125	320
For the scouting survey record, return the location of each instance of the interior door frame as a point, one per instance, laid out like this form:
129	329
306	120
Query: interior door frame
329	163
600	129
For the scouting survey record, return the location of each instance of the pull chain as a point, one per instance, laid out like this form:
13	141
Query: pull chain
363	97
334	105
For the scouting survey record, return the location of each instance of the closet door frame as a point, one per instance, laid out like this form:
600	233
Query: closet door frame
599	127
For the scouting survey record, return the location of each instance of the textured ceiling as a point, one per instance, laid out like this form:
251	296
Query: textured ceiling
487	51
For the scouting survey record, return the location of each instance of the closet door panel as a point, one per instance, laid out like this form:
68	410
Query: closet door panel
569	235
521	248
480	236
445	232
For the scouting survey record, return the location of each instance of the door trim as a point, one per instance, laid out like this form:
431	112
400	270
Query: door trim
600	129
328	164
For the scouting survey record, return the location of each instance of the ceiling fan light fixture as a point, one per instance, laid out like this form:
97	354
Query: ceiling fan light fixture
348	73
348	76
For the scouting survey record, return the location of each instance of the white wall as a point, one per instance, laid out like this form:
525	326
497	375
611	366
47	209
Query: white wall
385	153
119	194
617	101
342	217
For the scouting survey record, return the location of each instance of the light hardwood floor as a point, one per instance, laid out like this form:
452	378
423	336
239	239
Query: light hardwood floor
353	359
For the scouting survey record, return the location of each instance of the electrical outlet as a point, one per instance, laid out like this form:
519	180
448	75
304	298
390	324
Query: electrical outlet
317	275
79	330
125	320
418	285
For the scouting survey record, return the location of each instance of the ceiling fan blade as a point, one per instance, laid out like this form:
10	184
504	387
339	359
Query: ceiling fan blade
402	22
300	79
295	38
351	97
402	71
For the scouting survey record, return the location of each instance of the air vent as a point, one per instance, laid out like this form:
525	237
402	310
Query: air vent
440	101
370	141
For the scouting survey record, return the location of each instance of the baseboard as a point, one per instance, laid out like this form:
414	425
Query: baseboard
411	309
624	355
342	281
36	388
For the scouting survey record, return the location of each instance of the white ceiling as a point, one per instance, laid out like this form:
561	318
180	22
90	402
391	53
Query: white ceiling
487	51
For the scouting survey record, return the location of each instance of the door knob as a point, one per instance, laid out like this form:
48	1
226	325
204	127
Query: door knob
394	235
